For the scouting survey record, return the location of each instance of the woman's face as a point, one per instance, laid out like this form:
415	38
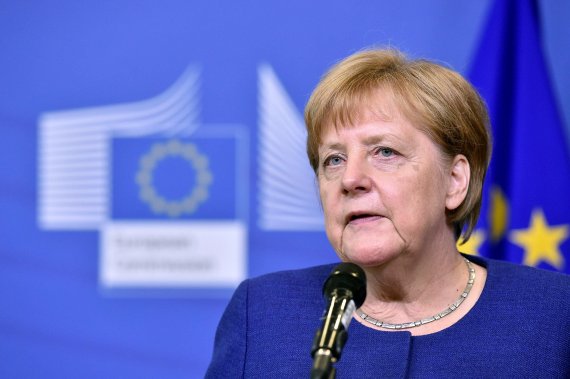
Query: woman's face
384	188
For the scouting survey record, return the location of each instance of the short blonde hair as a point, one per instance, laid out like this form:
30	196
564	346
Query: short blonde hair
438	100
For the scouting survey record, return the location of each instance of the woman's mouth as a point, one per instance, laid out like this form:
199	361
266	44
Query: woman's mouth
362	218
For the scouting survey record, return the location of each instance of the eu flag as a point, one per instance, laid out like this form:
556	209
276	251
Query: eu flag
526	210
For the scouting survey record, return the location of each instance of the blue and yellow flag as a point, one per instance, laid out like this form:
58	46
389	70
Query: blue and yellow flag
526	209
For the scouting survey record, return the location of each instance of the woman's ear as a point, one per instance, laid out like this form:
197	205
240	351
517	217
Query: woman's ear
460	173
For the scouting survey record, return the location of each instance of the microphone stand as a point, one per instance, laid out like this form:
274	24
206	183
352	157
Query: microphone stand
330	339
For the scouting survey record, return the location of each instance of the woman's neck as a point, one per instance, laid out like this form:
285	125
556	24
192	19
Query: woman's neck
413	287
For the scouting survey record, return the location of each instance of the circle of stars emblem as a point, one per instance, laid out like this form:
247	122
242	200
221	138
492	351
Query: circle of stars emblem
197	195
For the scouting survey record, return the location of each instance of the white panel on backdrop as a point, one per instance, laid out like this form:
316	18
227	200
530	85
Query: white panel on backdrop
145	254
288	198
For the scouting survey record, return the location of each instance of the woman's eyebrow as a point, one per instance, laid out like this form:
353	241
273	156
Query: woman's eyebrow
379	138
332	146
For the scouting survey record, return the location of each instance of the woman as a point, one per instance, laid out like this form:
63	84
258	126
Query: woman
400	149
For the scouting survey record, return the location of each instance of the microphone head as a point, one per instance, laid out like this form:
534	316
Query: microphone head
347	276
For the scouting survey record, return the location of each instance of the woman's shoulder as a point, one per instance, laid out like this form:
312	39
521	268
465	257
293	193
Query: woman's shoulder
523	282
512	271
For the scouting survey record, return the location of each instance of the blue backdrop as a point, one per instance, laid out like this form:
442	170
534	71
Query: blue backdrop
185	117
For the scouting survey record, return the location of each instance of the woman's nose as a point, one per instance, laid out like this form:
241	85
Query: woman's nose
356	177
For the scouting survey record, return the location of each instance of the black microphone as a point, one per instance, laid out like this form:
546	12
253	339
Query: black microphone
344	290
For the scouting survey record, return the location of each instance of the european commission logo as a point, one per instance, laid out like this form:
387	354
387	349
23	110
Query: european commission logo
155	183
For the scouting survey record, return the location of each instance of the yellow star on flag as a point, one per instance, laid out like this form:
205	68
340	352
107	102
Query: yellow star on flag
540	241
473	243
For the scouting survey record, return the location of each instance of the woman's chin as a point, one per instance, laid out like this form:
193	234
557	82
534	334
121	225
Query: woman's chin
368	257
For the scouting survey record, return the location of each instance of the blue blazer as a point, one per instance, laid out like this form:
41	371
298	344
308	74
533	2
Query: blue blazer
519	328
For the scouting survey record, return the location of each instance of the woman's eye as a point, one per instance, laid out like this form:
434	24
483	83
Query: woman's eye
334	160
385	152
